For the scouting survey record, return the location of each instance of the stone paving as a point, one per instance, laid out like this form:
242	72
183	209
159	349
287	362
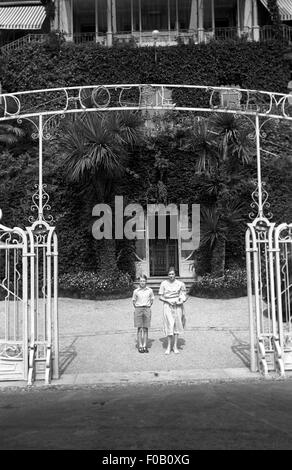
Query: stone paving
98	337
98	342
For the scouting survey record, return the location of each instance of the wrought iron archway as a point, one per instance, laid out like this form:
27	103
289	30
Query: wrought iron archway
268	247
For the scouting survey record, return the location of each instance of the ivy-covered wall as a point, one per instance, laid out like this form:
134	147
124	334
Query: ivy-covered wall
72	210
248	64
177	169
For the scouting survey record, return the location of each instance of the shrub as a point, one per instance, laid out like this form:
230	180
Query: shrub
90	285
232	284
246	63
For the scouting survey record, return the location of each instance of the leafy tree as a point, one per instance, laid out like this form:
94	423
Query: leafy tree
274	12
275	18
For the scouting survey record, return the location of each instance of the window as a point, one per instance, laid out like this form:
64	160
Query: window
208	14
225	13
84	16
102	16
184	13
123	9
154	15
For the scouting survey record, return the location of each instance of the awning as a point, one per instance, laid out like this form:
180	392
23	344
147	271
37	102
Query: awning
22	17
285	8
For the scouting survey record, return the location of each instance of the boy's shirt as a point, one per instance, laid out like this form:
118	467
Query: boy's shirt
143	297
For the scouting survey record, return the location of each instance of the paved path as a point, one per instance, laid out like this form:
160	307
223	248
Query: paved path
99	338
98	342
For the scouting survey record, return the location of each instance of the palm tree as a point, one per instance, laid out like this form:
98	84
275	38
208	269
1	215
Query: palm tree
201	143
95	148
233	137
229	144
216	223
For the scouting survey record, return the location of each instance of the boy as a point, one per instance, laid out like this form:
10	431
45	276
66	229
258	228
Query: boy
142	300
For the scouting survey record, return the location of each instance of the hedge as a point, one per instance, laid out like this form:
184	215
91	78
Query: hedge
95	286
248	64
233	284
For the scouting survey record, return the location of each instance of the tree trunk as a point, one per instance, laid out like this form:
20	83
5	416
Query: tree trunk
218	258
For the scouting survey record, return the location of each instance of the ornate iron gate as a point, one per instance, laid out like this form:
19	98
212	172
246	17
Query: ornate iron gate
269	268
43	333
14	308
283	289
28	313
29	262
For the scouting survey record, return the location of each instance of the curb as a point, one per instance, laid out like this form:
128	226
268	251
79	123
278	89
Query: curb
147	377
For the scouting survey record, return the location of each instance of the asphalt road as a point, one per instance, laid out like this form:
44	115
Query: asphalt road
231	415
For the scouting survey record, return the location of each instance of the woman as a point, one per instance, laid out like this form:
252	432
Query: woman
172	293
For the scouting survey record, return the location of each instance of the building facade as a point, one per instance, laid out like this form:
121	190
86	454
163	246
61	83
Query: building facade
142	22
173	21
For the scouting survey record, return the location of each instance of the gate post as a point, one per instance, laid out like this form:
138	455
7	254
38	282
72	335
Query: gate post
278	349
283	267
14	308
249	250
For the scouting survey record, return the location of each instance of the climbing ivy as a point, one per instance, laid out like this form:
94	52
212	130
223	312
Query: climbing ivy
249	64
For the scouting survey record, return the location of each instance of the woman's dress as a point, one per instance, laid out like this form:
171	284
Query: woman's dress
173	316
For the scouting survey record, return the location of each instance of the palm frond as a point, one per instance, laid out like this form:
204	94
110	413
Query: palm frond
128	128
91	148
10	134
201	143
243	146
233	212
225	123
211	228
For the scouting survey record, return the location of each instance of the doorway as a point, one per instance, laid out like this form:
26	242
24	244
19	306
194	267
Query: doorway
163	252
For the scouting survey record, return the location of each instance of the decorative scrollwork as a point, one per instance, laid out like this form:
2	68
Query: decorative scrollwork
50	125
11	351
286	234
37	207
34	135
257	211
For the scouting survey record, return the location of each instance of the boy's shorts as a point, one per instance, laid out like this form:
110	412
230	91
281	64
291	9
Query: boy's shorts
142	317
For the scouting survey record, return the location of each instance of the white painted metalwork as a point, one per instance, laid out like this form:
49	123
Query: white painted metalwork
14	303
58	101
283	289
268	248
32	352
269	268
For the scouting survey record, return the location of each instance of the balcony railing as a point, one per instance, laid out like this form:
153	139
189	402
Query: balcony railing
172	38
268	33
21	42
80	38
165	38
